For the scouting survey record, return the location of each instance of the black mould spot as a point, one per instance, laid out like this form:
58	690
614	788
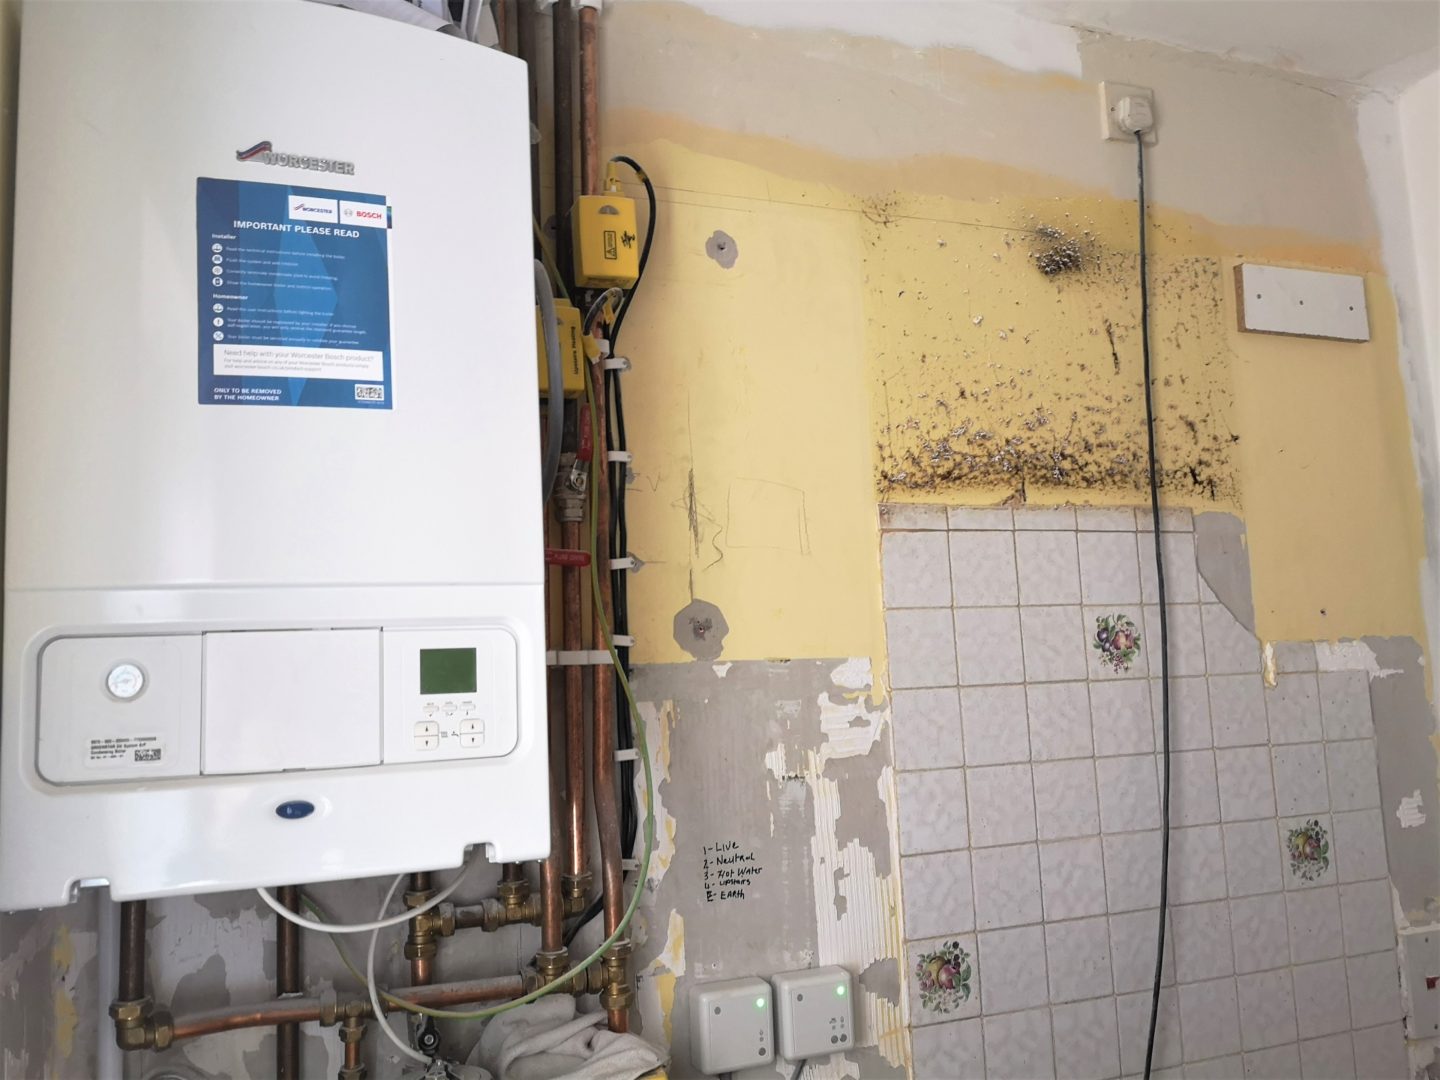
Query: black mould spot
1058	254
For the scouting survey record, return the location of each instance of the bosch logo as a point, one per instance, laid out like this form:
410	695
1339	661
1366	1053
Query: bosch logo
370	214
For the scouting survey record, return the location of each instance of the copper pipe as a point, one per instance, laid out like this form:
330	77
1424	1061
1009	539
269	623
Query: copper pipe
512	871
352	1035
526	46
132	951
502	24
287	981
562	32
421	947
552	904
589	102
305	1010
576	785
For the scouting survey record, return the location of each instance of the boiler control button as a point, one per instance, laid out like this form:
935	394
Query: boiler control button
470	727
426	742
468	707
427	727
125	681
449	708
431	709
472	740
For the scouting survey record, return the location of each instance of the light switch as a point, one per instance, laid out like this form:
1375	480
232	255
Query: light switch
814	1013
731	1025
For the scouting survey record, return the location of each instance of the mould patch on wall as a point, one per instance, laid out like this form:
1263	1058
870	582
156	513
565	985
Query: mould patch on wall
722	248
788	826
700	630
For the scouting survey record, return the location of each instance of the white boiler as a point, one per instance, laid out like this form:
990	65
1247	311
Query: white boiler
273	552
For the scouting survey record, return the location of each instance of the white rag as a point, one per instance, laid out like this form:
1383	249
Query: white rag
547	1040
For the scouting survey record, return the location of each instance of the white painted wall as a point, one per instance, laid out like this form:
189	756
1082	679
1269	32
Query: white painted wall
1419	113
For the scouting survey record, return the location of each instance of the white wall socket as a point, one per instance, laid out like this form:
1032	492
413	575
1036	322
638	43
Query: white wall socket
1110	95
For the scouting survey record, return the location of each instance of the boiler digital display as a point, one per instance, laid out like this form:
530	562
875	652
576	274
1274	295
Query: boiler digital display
447	671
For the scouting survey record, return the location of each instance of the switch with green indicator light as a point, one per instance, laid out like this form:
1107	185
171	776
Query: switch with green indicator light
813	1014
731	1026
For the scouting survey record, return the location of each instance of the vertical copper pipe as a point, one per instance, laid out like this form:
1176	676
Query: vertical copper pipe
132	951
562	30
502	24
552	903
589	101
527	47
576	785
287	981
421	969
512	871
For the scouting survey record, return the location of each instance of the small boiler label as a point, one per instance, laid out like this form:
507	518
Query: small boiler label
294	291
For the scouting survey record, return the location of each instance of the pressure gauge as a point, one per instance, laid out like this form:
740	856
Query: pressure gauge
125	681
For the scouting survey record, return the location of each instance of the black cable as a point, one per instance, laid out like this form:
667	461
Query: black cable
1164	625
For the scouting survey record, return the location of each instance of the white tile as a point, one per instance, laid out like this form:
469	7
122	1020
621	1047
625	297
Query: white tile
1002	805
932	811
1209	1019
916	569
1045	517
921	644
1189	714
997	731
911	516
1197	864
1293	656
1172	519
1129	796
954	1051
1014	965
1109	570
1072	876
1132	870
1267	1009
1079	959
1354	777
1314	916
1187	640
987	644
1193	798
1133	1016
955	957
1293	707
1237	710
1307	851
1300	786
1345	705
1374	982
1229	1067
964	517
937	893
1247	790
1380	1053
1059	720
1367	916
1123	653
982	569
1261	932
1181	580
1359	845
1049	567
1086	1033
1053	639
1104	519
926	725
1065	799
1007	887
1018	1046
1322	1001
1230	649
1276	1063
1120	716
1202	941
1132	951
1330	1058
1252	857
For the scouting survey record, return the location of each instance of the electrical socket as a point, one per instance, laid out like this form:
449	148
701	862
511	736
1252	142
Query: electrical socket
1110	95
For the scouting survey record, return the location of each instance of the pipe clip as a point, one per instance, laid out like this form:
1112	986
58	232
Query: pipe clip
617	363
577	658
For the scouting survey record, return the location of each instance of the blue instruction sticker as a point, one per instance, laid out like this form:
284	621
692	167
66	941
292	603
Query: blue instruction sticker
294	291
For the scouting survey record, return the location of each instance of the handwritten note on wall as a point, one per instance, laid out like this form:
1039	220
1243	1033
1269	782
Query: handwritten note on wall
727	870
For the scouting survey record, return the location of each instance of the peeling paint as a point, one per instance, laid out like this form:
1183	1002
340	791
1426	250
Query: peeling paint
1411	813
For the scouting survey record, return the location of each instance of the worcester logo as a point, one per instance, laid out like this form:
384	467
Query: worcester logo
265	153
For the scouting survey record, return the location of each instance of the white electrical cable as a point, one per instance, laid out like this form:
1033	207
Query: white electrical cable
364	928
370	984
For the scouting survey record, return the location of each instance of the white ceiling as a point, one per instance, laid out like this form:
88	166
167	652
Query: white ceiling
1382	43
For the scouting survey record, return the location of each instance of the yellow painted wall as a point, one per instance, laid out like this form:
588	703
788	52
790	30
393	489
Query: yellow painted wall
886	333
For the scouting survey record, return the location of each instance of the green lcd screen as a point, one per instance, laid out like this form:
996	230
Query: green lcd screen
447	671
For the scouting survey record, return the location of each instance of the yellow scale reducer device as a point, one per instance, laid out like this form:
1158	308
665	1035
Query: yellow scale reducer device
572	353
605	238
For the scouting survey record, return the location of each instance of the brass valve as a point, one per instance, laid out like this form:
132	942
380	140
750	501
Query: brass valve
351	1033
617	994
575	889
141	1026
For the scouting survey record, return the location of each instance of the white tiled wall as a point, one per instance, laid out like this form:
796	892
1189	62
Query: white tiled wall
1029	781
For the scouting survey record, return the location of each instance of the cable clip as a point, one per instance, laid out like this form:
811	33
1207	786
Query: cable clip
628	754
630	866
614	456
629	562
576	657
623	641
617	363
